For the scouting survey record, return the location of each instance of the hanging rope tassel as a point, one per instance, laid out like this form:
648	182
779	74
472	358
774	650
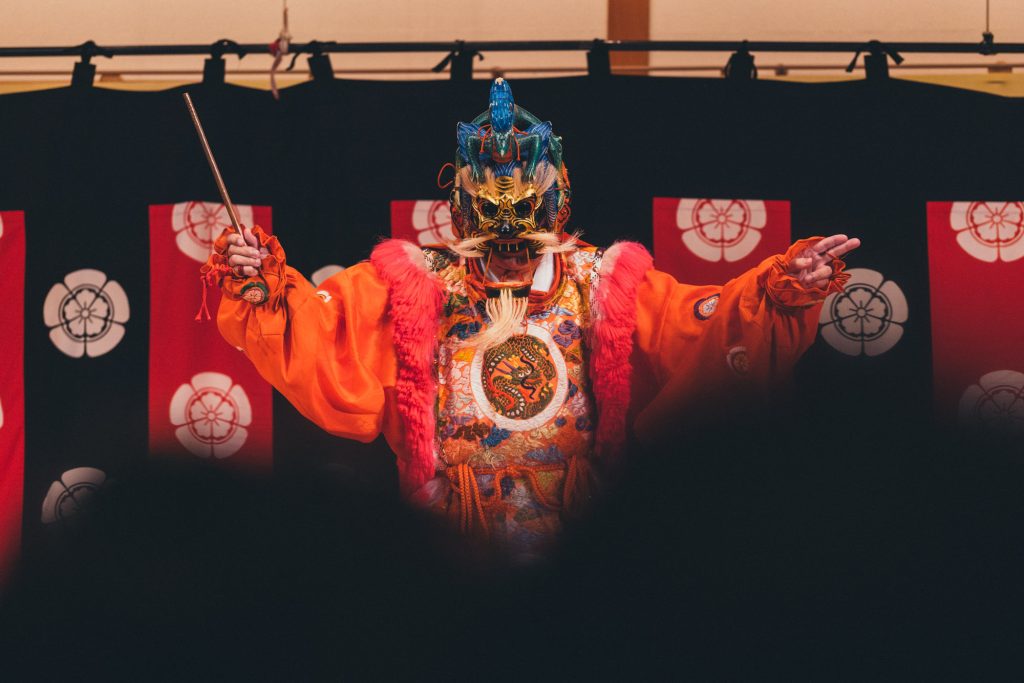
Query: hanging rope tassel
203	308
279	49
209	276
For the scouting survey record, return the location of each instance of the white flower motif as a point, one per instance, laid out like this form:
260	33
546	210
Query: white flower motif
86	313
995	403
432	221
198	225
70	494
327	271
211	413
717	229
867	317
1	226
989	231
1	415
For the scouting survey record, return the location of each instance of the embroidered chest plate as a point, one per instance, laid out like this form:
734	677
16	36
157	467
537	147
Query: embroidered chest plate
525	401
521	383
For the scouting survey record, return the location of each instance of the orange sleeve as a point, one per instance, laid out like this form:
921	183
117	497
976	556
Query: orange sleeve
328	351
697	346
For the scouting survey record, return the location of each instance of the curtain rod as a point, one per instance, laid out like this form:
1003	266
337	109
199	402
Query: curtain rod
224	47
112	73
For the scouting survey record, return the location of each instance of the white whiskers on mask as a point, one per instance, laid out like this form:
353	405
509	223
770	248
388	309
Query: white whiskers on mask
470	246
507	314
552	243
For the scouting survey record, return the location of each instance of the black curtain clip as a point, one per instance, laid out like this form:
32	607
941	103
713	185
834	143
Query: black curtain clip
599	63
461	60
876	64
84	72
740	66
214	67
319	63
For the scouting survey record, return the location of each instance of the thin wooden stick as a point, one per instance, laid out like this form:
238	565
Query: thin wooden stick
213	167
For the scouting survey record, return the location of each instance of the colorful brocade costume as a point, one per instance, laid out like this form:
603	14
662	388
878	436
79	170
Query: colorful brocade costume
386	347
504	438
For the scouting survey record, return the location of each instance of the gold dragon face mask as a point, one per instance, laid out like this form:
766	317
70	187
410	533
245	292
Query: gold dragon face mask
506	211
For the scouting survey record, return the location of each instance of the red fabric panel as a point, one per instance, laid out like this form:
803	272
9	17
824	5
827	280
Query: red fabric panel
976	274
12	387
711	241
205	398
421	221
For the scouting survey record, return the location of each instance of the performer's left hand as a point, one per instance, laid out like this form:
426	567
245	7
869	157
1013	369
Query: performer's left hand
813	266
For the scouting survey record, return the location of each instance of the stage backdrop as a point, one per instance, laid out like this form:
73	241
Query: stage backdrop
107	208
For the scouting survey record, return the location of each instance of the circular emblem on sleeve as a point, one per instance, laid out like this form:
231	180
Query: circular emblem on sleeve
255	293
738	360
705	307
521	383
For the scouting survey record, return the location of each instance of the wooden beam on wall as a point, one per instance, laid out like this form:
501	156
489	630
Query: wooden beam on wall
629	20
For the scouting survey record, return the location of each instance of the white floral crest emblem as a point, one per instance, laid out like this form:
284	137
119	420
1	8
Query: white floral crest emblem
70	494
867	318
721	229
211	414
197	225
432	221
995	403
86	313
989	231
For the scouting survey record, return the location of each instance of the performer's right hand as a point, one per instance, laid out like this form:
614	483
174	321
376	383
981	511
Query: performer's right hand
244	257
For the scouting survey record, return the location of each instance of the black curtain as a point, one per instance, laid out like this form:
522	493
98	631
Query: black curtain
84	165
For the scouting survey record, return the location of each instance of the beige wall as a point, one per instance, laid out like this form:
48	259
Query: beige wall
70	22
839	20
66	22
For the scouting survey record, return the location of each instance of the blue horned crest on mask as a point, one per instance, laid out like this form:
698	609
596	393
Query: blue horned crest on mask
510	178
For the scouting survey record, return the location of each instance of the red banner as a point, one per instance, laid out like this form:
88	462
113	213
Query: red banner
421	221
205	398
12	387
976	272
711	241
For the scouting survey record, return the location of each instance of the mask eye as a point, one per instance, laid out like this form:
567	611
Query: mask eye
488	209
523	208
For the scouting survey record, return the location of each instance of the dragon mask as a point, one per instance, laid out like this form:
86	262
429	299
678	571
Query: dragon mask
511	187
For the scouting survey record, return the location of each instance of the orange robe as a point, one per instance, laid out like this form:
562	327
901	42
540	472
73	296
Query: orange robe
331	351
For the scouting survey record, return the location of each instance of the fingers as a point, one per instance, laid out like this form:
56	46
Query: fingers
800	263
250	238
815	276
828	243
244	256
845	248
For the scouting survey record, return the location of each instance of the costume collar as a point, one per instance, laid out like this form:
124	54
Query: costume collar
543	276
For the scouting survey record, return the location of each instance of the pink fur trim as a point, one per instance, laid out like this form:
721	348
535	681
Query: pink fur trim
415	298
623	267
